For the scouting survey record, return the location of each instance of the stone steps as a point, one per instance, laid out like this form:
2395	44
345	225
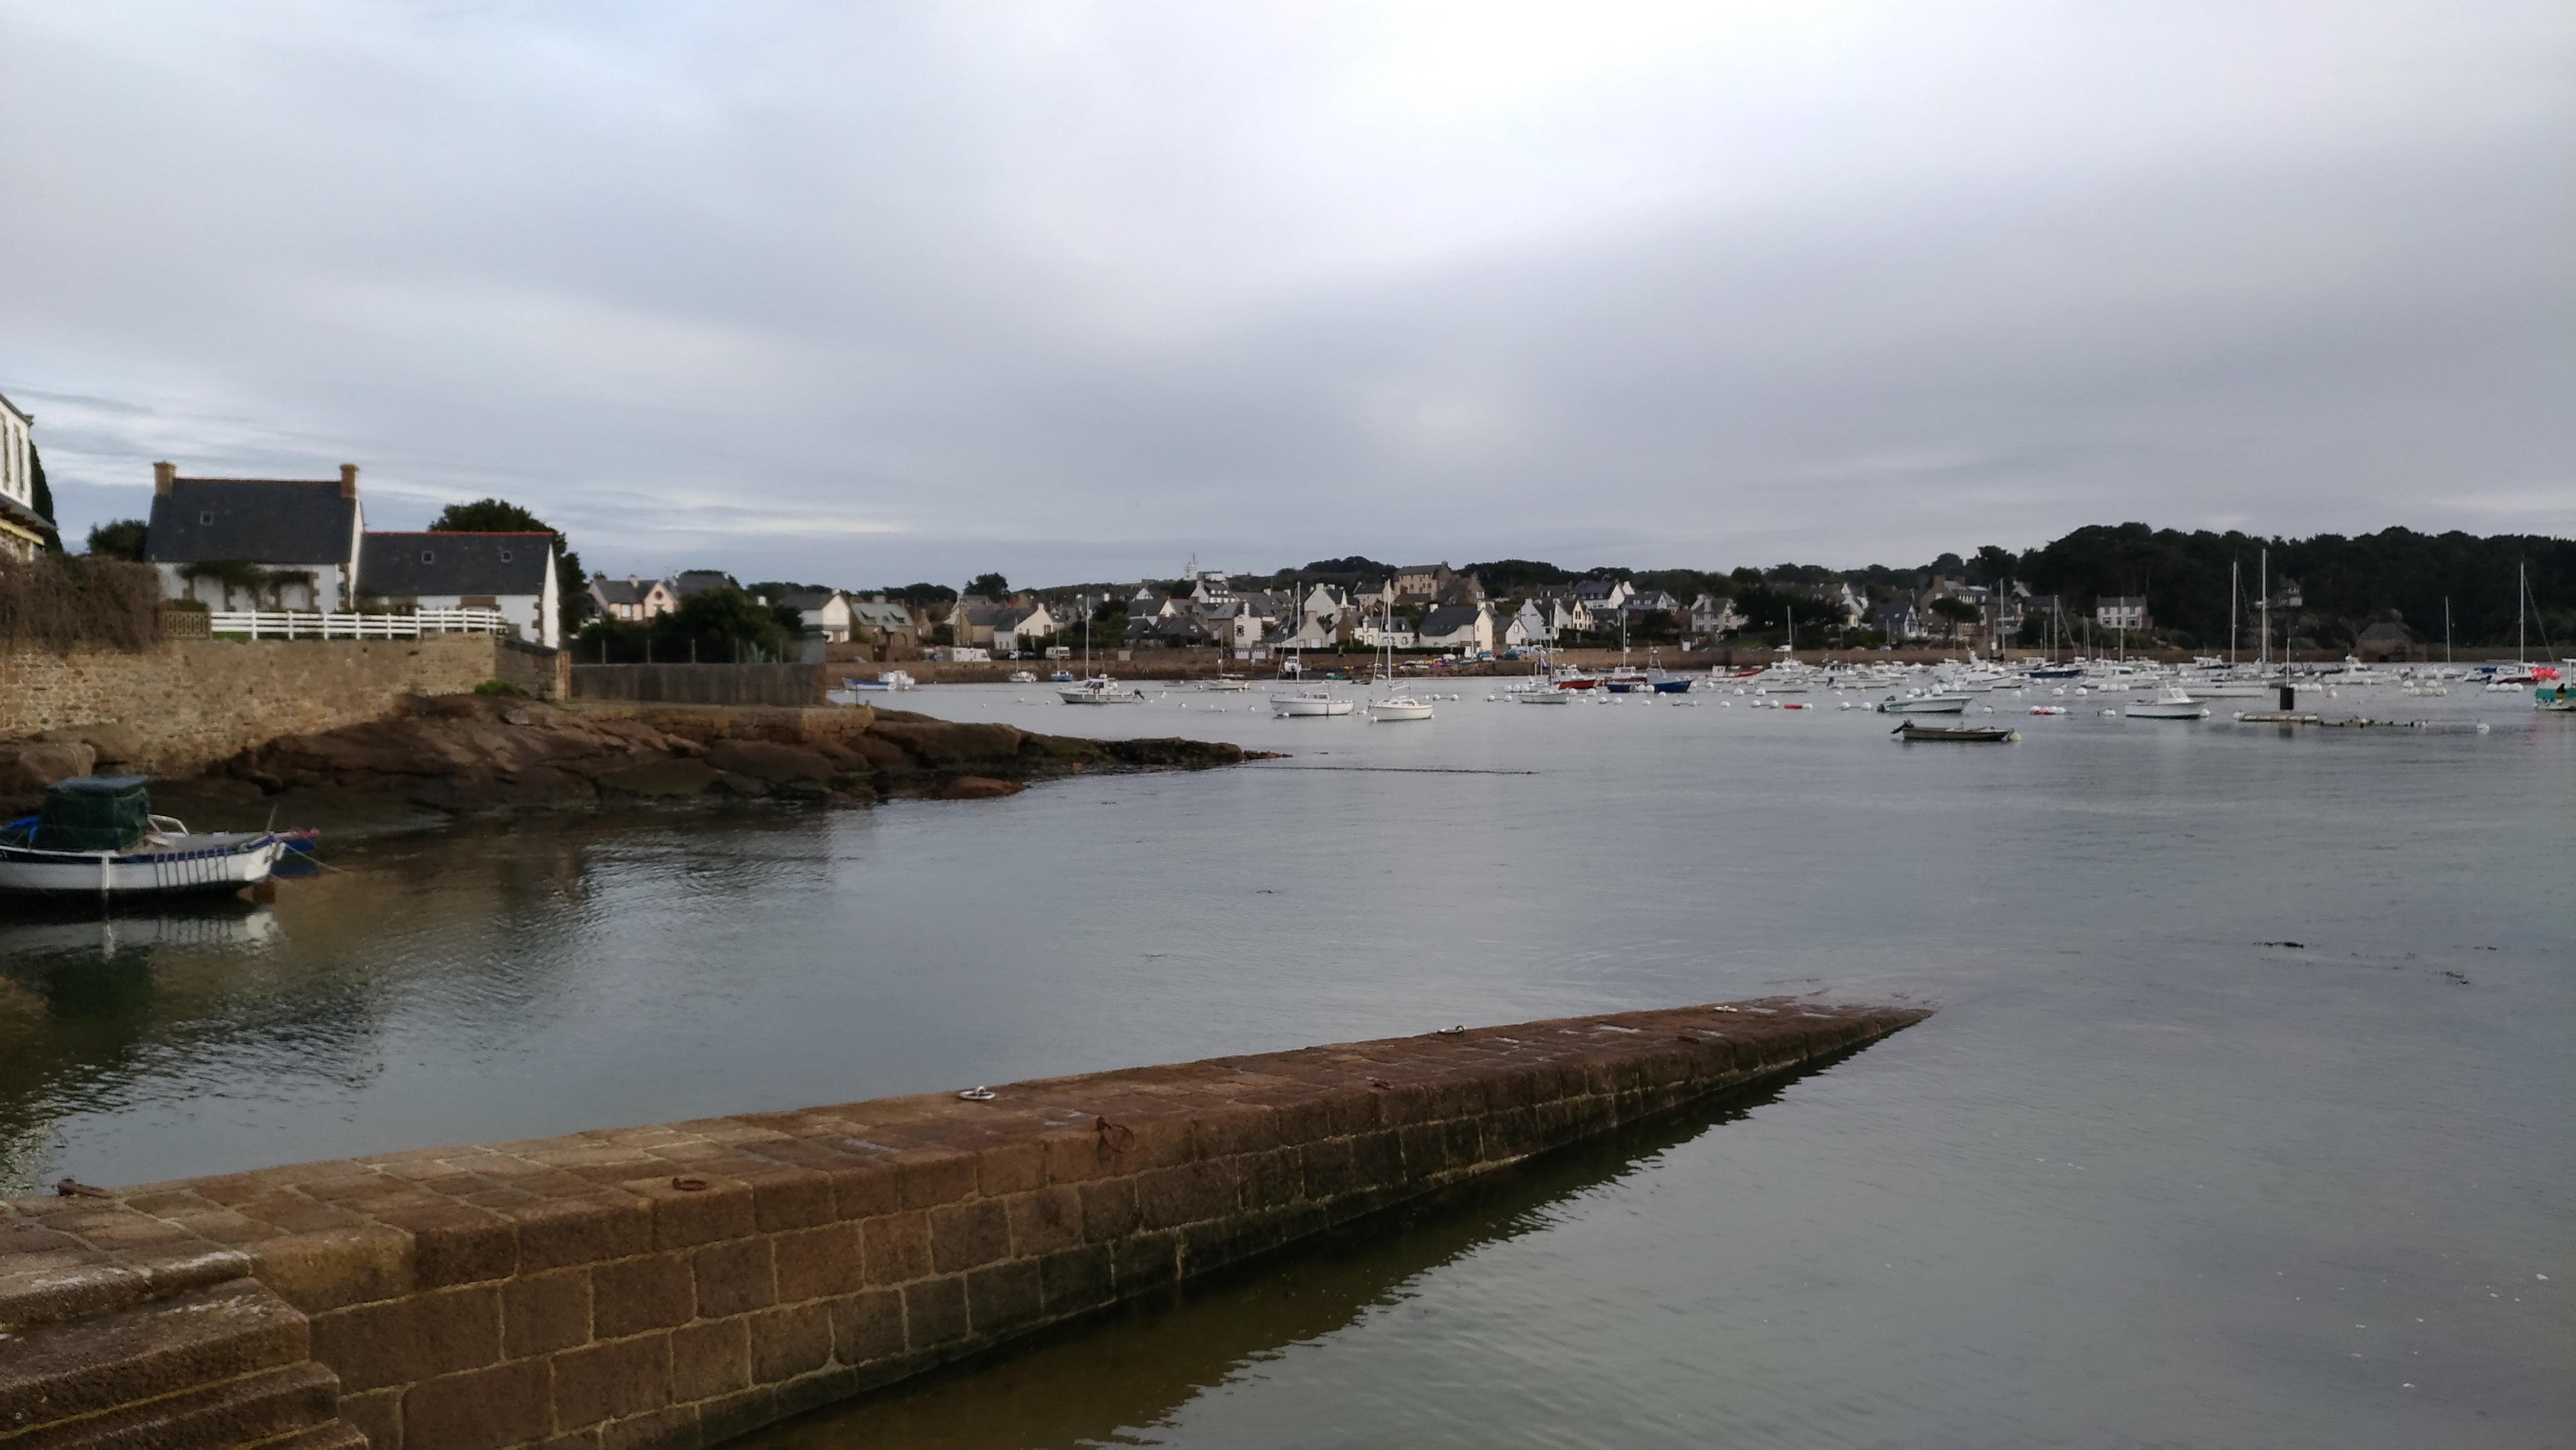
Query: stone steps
226	1365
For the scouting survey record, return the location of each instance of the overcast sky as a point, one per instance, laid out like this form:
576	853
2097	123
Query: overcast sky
874	293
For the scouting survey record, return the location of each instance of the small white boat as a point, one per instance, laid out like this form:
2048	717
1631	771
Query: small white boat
1923	705
1023	677
853	689
1100	690
1229	684
1399	707
2174	704
1308	704
97	836
1541	694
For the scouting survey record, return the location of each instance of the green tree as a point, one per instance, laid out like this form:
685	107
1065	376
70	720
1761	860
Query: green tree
1956	612
499	516
990	586
43	497
118	539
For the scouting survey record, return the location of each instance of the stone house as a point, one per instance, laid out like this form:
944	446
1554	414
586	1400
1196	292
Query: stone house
24	529
1421	581
631	599
512	573
235	543
879	620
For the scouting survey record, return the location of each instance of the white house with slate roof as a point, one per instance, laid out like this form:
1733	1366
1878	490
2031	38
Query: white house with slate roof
233	543
23	530
513	573
1465	627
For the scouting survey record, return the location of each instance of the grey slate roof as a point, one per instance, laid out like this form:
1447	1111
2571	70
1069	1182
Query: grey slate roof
621	591
804	599
698	581
411	565
1449	620
26	518
260	520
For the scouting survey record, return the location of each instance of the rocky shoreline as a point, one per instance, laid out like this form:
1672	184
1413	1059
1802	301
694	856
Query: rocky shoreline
448	757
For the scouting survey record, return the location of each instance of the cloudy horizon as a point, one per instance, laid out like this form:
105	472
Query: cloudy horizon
1079	291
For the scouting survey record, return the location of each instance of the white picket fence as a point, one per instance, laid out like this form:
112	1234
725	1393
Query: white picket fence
266	624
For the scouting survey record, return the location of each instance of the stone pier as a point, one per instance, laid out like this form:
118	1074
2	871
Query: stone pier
682	1284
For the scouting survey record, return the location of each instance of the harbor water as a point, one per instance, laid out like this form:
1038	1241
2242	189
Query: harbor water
2244	1120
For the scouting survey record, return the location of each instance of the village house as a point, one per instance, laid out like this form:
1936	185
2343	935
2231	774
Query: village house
1600	597
825	612
24	529
880	621
513	574
1023	627
698	581
630	599
1715	615
1466	628
1421	581
279	543
2121	612
1899	620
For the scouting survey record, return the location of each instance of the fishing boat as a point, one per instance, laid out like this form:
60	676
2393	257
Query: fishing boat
2558	698
2175	703
96	835
1100	690
1910	732
1922	705
1023	677
1541	694
1225	683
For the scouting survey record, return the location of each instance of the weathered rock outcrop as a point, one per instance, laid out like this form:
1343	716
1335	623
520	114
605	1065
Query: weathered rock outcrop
461	754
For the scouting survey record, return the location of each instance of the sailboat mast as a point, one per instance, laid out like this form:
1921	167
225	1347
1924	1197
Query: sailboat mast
2263	612
2231	613
2521	586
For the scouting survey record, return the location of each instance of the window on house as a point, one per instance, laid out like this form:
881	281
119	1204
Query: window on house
205	519
505	556
427	557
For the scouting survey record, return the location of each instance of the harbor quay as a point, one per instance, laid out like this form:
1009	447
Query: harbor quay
681	1284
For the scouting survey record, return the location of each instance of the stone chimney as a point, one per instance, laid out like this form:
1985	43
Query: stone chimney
164	475
348	480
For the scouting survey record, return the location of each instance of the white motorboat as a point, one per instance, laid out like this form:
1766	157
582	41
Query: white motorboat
97	836
1229	684
1306	704
1544	692
854	689
1100	690
1023	677
1923	705
2175	703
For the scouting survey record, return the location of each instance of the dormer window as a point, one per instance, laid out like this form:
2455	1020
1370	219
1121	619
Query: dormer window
206	520
427	557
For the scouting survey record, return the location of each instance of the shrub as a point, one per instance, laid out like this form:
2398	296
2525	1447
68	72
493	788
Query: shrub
500	687
64	602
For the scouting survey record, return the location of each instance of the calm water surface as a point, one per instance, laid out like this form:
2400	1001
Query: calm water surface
2150	1177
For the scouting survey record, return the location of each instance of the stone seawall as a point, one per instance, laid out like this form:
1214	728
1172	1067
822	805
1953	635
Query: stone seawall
198	701
679	1285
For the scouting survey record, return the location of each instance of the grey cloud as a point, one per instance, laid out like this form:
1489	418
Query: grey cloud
805	295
